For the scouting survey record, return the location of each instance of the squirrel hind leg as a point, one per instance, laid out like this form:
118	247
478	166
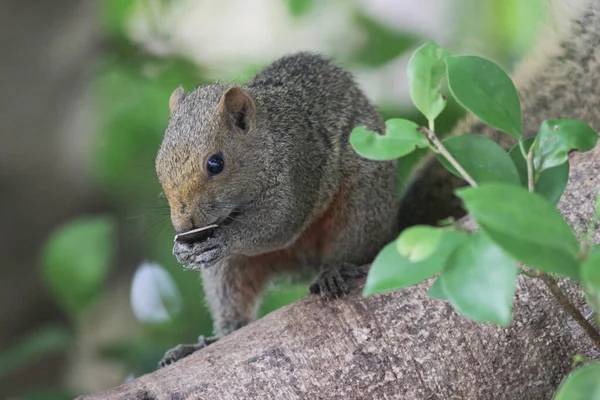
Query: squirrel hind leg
332	281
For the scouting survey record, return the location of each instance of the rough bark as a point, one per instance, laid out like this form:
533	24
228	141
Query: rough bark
399	345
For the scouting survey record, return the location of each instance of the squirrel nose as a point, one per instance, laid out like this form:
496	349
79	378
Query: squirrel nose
182	222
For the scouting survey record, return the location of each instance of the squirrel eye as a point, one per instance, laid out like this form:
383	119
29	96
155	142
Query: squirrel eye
215	164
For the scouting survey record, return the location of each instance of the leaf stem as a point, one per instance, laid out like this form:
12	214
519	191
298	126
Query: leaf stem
528	156
442	150
571	309
530	180
522	147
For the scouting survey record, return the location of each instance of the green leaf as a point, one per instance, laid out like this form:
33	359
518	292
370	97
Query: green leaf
436	291
480	280
417	243
35	345
590	277
425	71
581	384
483	88
557	137
391	271
76	260
482	158
551	183
597	209
401	138
525	225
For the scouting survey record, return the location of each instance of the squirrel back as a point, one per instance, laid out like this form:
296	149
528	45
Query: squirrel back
311	106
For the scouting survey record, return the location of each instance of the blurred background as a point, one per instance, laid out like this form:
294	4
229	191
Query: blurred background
90	293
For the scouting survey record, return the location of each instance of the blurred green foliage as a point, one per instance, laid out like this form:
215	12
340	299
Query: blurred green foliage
76	261
132	89
299	8
382	44
505	29
45	340
47	394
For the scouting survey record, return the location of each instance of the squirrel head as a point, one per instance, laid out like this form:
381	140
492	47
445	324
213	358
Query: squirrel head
211	155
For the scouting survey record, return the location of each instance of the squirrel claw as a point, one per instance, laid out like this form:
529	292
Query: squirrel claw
183	350
200	255
331	283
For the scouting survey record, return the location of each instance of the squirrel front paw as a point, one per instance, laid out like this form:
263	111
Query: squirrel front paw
331	283
202	254
183	350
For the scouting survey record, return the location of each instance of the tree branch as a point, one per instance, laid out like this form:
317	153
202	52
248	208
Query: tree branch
400	345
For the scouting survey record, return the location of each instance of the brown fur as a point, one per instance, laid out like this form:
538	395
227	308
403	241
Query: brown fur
320	235
315	242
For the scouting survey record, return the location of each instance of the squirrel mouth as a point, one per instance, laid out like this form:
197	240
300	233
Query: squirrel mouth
206	232
196	235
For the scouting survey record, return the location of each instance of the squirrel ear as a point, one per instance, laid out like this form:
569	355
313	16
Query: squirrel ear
176	98
237	107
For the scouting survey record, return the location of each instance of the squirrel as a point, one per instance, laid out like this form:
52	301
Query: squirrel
270	164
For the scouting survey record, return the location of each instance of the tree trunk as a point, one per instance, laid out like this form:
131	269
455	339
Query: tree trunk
400	345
